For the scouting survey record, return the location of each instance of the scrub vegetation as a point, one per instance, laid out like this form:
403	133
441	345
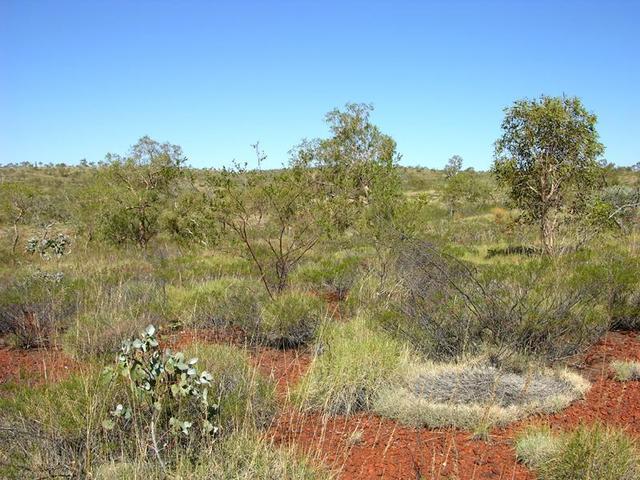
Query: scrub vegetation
430	298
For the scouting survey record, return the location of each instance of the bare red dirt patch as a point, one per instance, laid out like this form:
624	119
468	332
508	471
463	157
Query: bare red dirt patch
34	367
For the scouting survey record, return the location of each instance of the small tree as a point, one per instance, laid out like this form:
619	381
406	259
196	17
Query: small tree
277	215
18	205
355	168
138	186
548	157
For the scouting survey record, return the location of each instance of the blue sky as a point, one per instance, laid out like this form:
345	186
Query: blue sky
80	79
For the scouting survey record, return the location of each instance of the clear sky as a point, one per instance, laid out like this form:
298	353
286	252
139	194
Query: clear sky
80	79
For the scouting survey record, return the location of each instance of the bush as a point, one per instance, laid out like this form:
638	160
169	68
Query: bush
291	319
616	273
221	302
36	306
335	274
356	362
595	452
625	371
246	398
449	309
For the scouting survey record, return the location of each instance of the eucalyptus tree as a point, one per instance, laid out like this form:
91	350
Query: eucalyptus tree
548	158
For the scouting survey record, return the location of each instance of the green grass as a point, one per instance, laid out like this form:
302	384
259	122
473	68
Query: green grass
592	452
291	319
356	362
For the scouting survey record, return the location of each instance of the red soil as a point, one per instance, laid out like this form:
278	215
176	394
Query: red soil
365	446
369	447
34	367
285	367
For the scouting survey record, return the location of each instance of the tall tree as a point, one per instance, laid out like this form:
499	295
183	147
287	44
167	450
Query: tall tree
548	157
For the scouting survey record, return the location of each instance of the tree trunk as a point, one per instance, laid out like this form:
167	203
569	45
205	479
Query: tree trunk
548	233
16	237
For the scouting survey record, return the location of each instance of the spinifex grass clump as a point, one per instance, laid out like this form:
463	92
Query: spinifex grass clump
290	319
474	395
168	398
223	301
356	362
589	452
246	398
625	371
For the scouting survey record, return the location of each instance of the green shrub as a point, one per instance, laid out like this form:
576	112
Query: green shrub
450	309
356	362
334	274
225	301
290	319
595	452
246	398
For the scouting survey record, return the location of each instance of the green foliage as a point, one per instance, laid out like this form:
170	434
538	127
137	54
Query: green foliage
224	301
547	157
594	452
276	217
291	319
356	170
447	308
356	363
168	398
335	274
135	190
245	397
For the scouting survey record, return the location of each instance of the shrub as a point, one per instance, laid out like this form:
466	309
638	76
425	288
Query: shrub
474	395
595	452
168	401
225	301
449	309
290	319
36	306
334	274
246	398
625	371
356	362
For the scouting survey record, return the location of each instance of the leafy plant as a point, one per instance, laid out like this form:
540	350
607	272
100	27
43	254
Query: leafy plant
169	397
